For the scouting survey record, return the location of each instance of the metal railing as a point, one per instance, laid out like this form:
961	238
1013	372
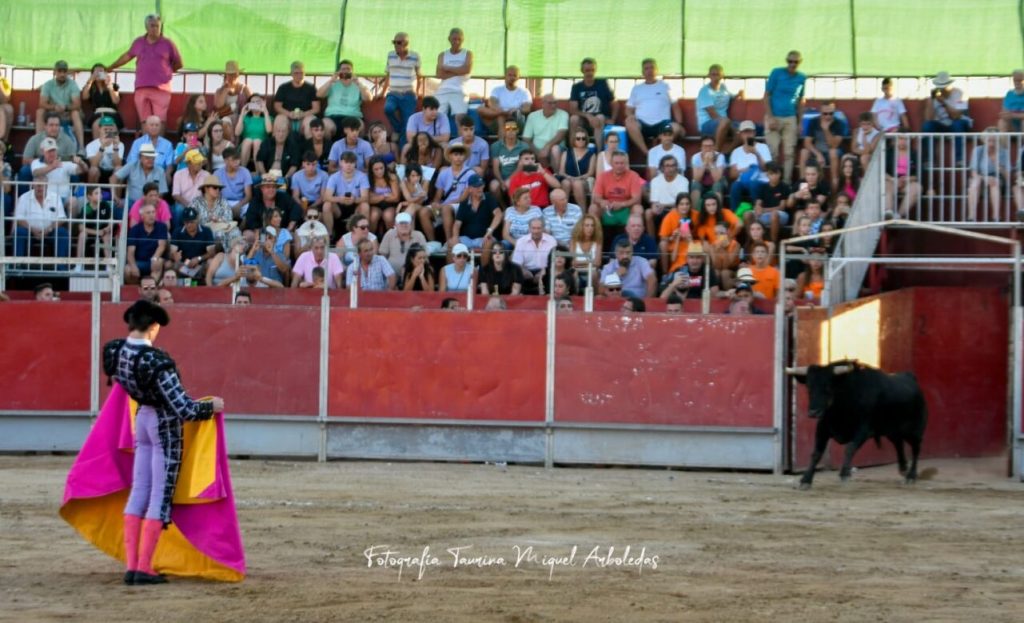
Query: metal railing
843	279
953	178
70	243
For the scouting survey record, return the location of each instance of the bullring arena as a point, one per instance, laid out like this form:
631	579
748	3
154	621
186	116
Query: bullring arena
606	428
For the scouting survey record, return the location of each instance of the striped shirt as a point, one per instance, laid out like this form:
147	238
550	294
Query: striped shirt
402	72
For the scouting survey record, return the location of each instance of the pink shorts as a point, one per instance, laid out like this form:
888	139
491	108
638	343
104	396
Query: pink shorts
150	101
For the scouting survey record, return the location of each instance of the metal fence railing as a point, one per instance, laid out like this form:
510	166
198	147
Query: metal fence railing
960	179
72	230
844	279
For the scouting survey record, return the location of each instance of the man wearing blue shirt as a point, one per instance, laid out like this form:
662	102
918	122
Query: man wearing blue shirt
713	101
1012	114
164	148
784	106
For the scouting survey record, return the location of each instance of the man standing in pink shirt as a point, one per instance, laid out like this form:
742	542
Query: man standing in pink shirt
157	59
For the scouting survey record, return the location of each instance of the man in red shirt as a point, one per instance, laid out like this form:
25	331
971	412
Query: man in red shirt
618	193
535	177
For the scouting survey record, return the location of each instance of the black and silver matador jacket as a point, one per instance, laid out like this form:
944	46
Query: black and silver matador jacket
150	377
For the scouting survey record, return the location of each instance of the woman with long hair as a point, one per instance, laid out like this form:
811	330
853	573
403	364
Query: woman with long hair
224	267
585	243
501	275
384	193
196	111
755	233
604	159
424	151
710	215
101	98
849	177
811	282
417	274
576	170
216	143
414	194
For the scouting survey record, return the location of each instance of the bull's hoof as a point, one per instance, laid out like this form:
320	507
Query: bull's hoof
804	486
844	479
909	480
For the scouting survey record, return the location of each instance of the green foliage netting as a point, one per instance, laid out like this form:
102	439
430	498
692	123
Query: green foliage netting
96	31
545	37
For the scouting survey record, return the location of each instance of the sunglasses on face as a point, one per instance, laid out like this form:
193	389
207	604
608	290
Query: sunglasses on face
362	227
312	217
581	138
462	256
397	42
790	61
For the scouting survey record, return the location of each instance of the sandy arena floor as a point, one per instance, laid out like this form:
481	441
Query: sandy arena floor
726	547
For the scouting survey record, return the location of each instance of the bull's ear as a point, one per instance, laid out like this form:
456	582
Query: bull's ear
800	374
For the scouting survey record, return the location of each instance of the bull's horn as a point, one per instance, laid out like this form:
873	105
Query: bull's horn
845	369
802	370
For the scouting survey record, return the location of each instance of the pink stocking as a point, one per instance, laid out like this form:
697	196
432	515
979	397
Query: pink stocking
131	541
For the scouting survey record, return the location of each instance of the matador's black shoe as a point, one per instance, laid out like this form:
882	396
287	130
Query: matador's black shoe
142	578
129	577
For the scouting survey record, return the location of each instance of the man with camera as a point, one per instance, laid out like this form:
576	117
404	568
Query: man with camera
747	166
345	97
946	111
106	153
535	177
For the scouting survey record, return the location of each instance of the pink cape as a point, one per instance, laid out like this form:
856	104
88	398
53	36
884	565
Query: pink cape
203	539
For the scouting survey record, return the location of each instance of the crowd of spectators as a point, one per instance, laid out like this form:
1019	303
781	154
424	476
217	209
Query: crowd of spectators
296	189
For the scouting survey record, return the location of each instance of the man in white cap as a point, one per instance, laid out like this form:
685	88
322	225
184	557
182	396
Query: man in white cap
946	111
57	172
747	166
611	285
396	242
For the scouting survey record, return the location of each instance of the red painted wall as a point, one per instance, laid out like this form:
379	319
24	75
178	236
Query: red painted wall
262	360
656	369
956	341
435	364
45	356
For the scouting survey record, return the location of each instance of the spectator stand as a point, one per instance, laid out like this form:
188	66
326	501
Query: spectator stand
90	261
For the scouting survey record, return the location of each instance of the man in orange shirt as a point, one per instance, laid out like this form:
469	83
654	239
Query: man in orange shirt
618	193
767	285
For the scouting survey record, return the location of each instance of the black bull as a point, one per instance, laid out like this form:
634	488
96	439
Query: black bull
854	403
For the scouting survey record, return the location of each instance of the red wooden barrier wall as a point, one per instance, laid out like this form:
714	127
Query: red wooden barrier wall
44	356
956	342
262	360
656	369
435	364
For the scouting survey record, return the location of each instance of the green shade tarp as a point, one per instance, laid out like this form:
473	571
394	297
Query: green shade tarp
543	37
